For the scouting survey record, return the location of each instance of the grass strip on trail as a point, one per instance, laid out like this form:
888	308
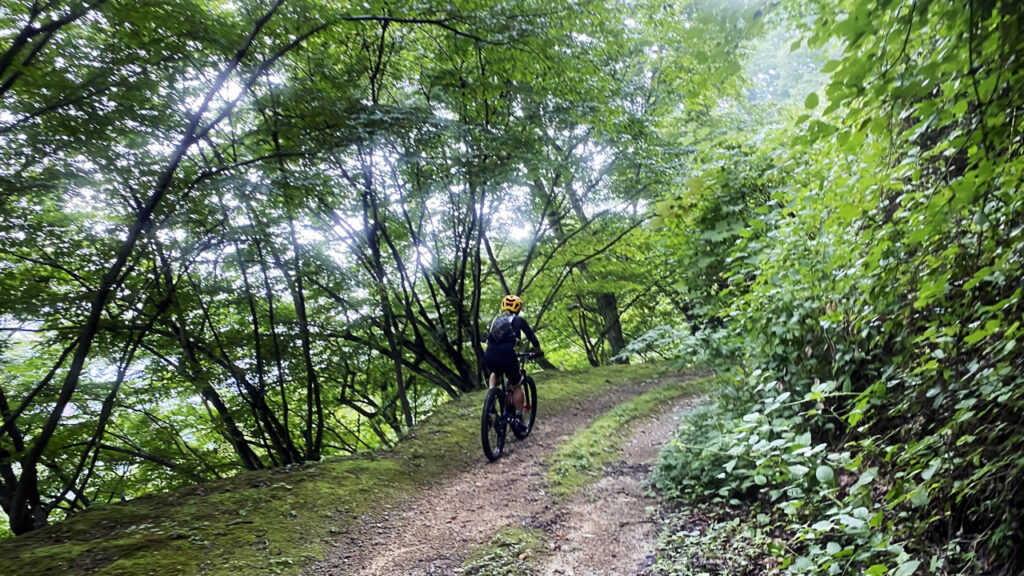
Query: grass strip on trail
277	521
578	462
510	552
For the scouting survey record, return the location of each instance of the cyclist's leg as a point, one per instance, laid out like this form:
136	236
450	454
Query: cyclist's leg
513	374
496	361
518	398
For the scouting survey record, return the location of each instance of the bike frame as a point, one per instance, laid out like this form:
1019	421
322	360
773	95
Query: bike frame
499	415
508	412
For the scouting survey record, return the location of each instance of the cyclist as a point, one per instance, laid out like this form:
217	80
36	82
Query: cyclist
500	356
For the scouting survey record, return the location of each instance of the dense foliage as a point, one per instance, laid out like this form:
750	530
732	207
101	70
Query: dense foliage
866	258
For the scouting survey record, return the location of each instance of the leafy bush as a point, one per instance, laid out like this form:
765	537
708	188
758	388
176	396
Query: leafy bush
682	346
879	418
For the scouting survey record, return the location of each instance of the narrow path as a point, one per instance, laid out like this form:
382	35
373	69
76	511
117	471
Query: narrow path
607	530
432	531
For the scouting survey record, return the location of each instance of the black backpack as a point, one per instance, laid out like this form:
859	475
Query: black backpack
501	330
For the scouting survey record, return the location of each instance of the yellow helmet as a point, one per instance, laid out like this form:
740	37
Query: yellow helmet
512	303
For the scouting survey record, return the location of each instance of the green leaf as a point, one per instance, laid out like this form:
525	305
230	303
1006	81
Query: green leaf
876	519
811	102
866	478
978	277
798	470
822	526
824	474
876	570
977	336
851	522
907	568
831	66
919	496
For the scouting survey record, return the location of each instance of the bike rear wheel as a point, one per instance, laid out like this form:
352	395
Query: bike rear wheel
492	425
529	409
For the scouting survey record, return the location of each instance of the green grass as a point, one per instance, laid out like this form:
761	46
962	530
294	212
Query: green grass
510	552
578	461
277	521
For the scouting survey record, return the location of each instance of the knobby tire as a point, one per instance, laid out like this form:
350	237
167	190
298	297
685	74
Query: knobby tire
492	427
529	415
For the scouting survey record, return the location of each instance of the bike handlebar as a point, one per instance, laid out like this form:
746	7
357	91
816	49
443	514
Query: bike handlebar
529	355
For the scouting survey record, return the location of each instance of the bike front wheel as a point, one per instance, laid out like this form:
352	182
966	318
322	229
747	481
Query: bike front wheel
529	409
492	425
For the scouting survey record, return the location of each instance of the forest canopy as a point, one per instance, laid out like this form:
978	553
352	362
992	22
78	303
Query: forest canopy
239	235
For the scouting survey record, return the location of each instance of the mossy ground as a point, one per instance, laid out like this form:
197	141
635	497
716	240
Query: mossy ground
275	522
578	462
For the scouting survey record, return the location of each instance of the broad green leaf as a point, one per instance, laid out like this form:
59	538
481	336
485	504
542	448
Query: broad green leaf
907	568
824	474
919	496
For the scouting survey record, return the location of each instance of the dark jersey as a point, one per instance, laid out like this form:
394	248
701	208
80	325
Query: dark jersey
505	331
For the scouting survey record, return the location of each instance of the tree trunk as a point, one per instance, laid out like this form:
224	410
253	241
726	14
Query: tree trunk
276	341
607	302
371	226
314	432
608	307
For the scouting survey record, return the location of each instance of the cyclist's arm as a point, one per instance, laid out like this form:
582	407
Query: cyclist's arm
485	335
531	336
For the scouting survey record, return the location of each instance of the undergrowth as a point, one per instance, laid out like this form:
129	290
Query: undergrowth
704	540
830	508
276	521
823	506
867	261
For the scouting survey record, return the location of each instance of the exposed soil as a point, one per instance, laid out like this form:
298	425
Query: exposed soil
608	529
604	530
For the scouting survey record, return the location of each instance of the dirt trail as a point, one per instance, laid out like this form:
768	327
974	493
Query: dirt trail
607	530
603	531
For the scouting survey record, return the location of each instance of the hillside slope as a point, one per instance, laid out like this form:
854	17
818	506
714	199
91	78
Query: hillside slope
277	522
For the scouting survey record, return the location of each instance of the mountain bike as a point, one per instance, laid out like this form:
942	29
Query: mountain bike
499	414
